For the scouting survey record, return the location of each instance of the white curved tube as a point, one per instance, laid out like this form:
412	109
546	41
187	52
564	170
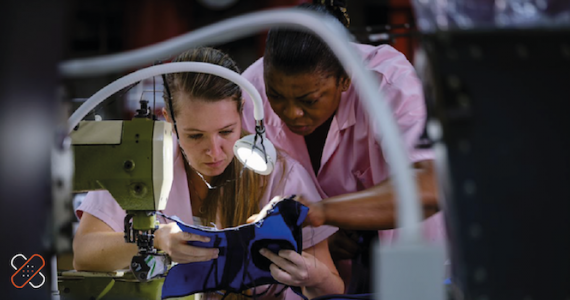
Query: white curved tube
333	34
175	67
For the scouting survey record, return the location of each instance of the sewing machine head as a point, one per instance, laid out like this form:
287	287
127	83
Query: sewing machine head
133	161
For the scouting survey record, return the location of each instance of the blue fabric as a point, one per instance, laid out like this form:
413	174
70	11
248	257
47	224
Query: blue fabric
239	265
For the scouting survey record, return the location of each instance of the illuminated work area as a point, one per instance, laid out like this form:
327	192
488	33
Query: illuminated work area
288	150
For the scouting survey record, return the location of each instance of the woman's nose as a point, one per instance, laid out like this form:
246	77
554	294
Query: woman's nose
214	147
292	111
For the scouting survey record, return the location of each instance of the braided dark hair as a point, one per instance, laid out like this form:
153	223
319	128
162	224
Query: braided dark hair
297	52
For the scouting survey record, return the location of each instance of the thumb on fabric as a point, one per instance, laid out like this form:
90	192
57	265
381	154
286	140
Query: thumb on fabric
195	237
316	215
252	218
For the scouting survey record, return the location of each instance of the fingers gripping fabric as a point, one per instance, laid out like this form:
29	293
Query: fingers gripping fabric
239	265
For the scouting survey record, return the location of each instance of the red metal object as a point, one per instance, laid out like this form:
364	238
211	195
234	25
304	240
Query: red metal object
401	12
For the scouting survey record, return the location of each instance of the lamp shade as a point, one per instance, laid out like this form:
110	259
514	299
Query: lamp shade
253	156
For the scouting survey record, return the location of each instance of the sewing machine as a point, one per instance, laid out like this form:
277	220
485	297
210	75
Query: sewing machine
133	161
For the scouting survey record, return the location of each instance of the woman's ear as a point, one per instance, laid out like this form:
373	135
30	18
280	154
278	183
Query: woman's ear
166	115
345	83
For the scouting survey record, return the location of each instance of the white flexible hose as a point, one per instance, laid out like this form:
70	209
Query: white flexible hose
337	38
175	67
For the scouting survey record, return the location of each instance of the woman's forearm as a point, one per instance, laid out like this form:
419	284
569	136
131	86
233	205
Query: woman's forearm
323	275
102	251
371	209
374	208
331	284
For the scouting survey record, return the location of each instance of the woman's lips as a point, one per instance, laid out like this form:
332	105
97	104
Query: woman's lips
298	129
215	164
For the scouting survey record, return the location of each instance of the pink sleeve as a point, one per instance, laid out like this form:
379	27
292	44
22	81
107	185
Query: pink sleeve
403	90
104	207
297	181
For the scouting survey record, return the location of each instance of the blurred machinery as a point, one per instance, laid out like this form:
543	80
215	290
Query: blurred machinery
28	116
500	98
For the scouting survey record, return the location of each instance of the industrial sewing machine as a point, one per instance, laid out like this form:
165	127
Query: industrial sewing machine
133	161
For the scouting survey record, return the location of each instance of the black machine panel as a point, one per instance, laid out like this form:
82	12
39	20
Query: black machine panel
502	98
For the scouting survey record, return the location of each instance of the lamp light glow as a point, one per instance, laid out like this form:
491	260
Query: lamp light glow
253	156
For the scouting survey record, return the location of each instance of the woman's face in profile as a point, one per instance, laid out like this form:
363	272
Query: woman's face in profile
303	101
208	132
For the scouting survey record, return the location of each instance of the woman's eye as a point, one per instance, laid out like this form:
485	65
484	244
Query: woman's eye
273	97
226	132
195	136
309	102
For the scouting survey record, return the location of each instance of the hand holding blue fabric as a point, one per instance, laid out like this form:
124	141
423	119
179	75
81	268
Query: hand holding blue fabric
316	216
172	240
239	265
294	269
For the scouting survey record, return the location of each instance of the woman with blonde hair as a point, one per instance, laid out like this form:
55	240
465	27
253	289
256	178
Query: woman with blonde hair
210	186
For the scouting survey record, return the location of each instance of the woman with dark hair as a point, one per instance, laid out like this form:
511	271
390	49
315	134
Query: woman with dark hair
313	112
207	114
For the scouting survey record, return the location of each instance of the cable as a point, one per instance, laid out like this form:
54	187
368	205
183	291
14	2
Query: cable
175	67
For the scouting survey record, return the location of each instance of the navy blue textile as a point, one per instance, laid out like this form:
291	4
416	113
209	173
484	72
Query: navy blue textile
239	265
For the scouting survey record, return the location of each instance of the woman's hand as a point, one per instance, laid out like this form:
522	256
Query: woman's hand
316	216
263	212
313	270
172	240
292	268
